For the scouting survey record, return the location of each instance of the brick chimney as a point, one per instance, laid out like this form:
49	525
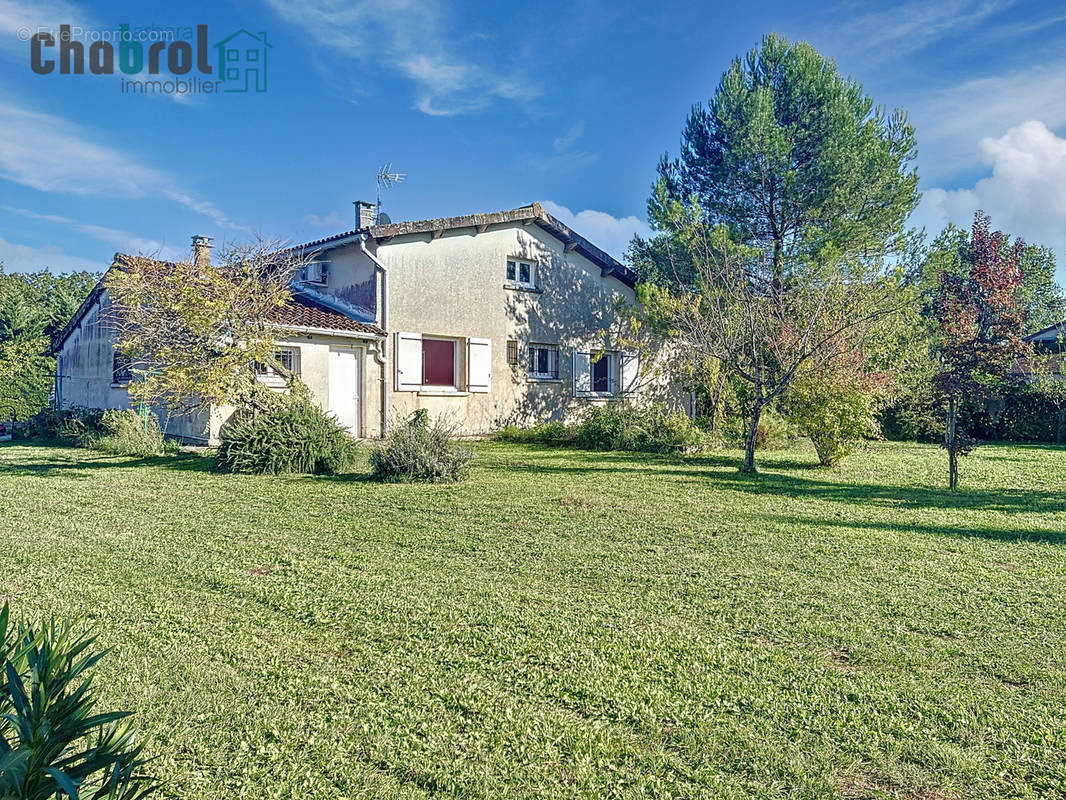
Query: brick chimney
201	251
365	214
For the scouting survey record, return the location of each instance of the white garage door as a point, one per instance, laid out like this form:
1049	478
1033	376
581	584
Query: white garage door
344	387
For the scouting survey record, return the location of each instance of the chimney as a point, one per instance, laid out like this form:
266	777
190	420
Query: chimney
201	251
365	214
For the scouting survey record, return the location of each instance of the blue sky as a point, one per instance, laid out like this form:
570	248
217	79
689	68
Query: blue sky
490	106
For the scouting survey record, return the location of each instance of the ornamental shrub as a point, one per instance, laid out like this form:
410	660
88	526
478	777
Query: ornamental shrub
420	450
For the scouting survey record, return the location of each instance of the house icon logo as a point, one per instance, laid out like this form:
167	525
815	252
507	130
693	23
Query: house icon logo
242	61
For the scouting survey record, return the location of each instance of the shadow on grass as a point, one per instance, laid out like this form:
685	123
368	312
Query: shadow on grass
1049	535
722	471
57	460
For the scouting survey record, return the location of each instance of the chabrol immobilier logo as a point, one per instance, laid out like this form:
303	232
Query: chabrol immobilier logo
175	60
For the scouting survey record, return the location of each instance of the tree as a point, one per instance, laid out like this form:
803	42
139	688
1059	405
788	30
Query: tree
980	325
1038	294
34	306
192	333
790	190
795	160
764	336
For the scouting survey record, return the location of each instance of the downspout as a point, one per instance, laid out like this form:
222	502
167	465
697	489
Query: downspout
381	355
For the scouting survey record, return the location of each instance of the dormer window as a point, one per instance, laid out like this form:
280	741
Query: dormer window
521	273
316	273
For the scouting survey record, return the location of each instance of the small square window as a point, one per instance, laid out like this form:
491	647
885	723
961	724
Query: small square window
520	273
251	55
232	54
232	73
287	357
544	362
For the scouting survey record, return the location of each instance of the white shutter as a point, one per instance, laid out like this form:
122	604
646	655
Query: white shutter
630	373
478	365
408	362
582	373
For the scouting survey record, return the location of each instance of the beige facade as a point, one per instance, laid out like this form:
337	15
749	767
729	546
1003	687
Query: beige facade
489	320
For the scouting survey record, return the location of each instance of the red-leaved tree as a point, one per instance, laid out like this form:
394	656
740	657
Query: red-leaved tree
980	327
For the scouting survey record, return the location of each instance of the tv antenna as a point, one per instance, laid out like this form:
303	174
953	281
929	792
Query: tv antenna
386	180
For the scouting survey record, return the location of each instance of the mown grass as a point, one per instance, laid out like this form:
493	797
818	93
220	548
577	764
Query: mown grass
568	624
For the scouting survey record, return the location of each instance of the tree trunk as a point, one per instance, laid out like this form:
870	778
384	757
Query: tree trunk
749	445
950	441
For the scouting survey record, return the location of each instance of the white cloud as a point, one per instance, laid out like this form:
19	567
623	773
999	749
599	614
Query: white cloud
17	17
953	122
331	220
22	258
603	230
50	154
411	37
1025	195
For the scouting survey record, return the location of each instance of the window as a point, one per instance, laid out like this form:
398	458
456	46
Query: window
252	55
317	272
120	368
544	362
287	357
438	362
604	374
512	353
520	273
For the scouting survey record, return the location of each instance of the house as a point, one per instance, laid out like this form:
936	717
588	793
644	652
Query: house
242	61
490	319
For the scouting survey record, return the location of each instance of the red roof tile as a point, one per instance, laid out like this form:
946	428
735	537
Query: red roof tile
303	312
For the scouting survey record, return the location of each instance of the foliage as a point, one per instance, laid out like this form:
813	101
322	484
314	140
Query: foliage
125	432
794	159
836	410
979	329
562	602
774	432
34	306
619	426
420	450
1038	294
790	192
192	332
54	742
73	426
292	435
25	376
550	433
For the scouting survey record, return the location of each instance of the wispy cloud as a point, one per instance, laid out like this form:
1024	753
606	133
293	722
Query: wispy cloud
17	17
885	32
50	154
119	239
450	72
23	258
602	229
331	220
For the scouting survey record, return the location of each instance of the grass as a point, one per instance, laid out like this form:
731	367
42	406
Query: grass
568	624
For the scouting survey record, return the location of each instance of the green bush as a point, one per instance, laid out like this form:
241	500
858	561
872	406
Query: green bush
294	436
69	426
549	433
774	431
834	414
420	450
54	740
649	430
124	432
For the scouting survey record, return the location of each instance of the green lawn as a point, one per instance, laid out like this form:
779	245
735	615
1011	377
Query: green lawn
568	624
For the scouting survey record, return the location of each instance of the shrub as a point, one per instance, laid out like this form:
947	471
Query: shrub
835	412
126	433
69	426
650	430
549	433
773	433
55	741
420	450
293	436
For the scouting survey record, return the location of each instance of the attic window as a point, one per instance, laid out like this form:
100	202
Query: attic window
317	273
520	273
120	368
